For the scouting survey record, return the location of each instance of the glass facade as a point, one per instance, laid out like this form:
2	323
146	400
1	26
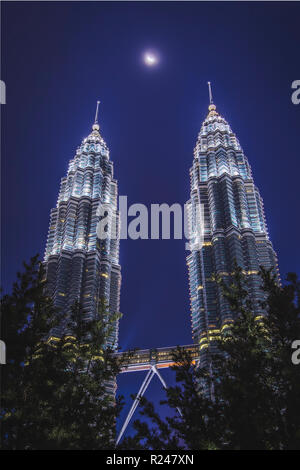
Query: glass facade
79	266
234	229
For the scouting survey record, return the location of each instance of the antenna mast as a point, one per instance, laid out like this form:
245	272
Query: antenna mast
210	93
96	115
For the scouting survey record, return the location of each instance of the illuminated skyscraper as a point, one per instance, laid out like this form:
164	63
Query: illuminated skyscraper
79	266
234	228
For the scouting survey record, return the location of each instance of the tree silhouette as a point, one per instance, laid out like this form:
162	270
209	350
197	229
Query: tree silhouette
57	393
256	387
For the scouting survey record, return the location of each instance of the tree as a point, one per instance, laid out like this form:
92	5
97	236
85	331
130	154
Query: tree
283	325
57	393
256	387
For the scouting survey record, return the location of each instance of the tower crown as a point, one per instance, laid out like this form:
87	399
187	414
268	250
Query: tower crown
215	131
212	111
95	136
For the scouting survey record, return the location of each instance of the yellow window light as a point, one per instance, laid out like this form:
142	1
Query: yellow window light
213	332
203	340
52	338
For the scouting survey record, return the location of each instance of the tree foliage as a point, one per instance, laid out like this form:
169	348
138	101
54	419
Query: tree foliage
55	391
255	400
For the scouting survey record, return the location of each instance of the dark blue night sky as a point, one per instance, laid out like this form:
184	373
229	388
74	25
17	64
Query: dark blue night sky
59	58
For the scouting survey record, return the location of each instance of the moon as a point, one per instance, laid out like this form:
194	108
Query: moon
150	58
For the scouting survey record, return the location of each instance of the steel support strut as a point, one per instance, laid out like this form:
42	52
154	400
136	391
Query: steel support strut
141	392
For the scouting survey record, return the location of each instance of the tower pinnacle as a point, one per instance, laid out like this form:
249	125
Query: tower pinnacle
211	107
96	126
210	93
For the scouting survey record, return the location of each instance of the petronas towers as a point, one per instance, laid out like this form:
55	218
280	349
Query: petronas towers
82	267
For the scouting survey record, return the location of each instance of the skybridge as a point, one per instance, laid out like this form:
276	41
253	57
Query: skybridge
143	360
150	360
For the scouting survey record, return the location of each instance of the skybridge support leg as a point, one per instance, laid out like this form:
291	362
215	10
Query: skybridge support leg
141	392
165	386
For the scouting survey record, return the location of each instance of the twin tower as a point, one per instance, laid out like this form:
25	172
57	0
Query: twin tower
81	267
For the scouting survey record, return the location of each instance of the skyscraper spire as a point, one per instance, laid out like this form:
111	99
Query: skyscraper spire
211	107
210	93
96	125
